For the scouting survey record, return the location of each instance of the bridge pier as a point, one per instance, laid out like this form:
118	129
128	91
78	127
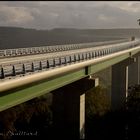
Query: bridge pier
134	72
120	79
69	109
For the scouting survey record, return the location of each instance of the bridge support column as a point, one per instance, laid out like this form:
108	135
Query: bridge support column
120	83
134	72
69	109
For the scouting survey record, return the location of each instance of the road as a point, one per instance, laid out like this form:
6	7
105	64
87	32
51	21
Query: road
39	57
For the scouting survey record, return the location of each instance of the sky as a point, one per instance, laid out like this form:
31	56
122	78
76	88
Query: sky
70	14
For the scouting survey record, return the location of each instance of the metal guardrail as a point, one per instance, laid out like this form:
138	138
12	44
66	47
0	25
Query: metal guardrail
45	64
56	48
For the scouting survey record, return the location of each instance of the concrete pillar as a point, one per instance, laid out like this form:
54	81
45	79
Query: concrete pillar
134	72
119	85
123	73
69	109
138	62
82	116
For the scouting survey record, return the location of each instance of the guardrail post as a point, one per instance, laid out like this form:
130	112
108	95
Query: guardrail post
102	52
2	73
78	57
92	54
70	58
60	61
108	51
86	56
74	58
40	65
48	65
82	56
95	54
14	71
54	62
24	69
65	60
33	69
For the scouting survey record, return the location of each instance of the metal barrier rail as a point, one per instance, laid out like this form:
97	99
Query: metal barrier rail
45	64
56	48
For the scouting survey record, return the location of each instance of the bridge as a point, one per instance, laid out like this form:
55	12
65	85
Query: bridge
65	71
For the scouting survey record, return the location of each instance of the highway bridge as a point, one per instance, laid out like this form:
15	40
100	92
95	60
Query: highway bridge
65	71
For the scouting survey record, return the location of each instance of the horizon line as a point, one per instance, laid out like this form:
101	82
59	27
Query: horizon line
70	28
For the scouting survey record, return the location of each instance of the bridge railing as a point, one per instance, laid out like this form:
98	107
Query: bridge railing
49	63
56	48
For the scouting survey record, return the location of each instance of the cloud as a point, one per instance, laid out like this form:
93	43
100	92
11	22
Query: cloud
15	15
107	19
70	14
127	6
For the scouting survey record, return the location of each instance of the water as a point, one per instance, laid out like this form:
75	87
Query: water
20	38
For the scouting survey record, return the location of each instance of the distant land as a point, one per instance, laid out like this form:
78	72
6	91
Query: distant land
15	37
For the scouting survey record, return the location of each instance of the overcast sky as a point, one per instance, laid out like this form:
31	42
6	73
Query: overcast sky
70	14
